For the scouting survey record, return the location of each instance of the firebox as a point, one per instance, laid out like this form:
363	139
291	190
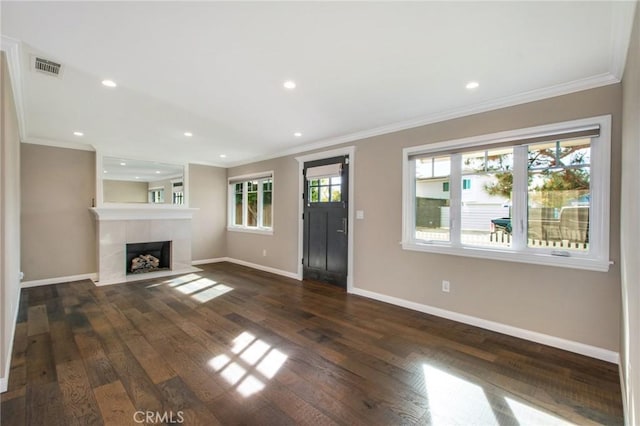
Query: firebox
148	257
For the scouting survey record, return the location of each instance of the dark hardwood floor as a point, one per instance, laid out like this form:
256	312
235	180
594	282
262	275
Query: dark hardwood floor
231	345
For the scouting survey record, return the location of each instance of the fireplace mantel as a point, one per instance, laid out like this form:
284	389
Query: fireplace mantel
118	226
142	213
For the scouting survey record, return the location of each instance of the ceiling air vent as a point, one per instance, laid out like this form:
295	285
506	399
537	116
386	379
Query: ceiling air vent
47	67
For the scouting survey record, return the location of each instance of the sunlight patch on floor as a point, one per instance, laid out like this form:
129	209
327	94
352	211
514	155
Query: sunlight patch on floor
527	415
211	293
454	400
271	363
250	363
194	286
176	281
199	288
182	280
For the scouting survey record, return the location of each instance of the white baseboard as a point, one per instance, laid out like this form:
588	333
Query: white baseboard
4	381
269	269
205	261
556	342
58	280
264	268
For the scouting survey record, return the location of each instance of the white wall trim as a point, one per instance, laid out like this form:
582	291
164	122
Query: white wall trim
261	267
143	212
4	381
58	280
206	261
59	144
545	339
350	151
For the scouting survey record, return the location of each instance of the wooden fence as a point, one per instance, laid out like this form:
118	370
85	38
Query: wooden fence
499	239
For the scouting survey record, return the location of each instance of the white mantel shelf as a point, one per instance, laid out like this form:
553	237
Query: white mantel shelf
142	213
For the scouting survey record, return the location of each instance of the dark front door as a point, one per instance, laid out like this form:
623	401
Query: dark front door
326	224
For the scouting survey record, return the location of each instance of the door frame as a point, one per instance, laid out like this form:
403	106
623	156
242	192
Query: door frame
350	151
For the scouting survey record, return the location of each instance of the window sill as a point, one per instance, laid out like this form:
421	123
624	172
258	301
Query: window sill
544	259
262	231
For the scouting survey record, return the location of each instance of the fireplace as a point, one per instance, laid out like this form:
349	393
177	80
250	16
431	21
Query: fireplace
119	226
148	257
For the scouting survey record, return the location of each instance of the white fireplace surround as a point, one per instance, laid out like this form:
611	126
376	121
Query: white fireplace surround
119	226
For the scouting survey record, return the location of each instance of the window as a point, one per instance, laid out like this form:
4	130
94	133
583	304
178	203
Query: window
538	195
325	190
432	204
178	191
267	192
156	195
251	203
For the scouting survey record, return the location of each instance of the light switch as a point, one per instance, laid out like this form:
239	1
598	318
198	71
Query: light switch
359	214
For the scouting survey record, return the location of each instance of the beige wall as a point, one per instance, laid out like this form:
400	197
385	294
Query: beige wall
208	193
282	246
120	191
58	230
570	304
9	220
630	228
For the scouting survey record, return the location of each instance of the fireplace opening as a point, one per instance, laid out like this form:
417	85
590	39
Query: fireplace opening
148	257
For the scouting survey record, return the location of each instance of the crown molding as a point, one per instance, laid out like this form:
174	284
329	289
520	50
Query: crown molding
13	50
587	83
59	144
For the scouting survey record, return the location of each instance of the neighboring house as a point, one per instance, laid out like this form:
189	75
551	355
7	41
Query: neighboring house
479	207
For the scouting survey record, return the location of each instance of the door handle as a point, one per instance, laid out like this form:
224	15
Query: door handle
344	226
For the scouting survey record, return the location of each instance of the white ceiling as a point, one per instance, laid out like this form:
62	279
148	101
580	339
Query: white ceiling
362	68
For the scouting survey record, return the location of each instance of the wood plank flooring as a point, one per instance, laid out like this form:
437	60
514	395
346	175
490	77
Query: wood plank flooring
231	345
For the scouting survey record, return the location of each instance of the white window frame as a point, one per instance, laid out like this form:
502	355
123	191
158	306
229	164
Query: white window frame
159	190
176	190
231	211
597	257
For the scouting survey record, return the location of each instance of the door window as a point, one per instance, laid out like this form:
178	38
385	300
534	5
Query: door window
325	190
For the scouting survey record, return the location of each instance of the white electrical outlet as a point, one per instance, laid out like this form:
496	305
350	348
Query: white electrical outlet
264	252
445	286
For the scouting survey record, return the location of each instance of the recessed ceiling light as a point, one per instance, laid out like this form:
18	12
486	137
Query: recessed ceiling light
297	134
123	164
78	133
137	177
289	84
157	172
223	155
106	171
109	83
472	85
188	134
